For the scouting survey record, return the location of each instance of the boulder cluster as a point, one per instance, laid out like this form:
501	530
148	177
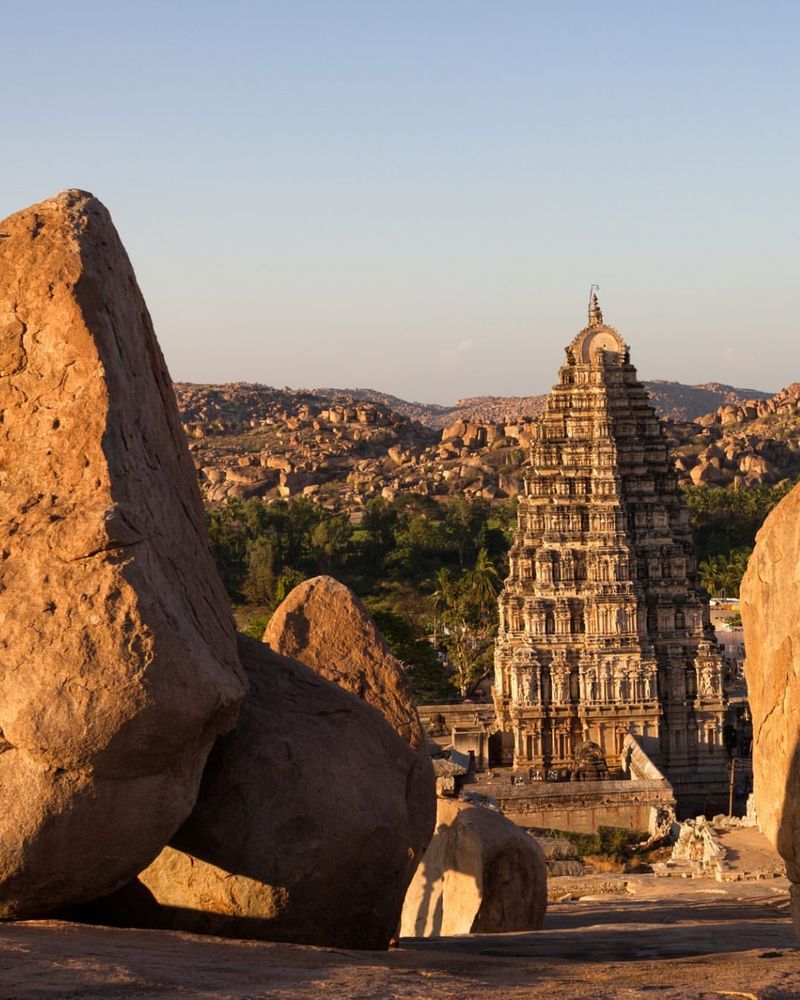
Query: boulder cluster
255	441
121	668
156	768
741	444
250	440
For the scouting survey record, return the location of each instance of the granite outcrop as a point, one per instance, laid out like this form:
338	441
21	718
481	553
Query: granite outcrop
770	608
305	825
118	667
481	874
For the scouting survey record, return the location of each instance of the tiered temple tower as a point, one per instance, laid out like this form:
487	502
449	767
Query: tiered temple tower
604	629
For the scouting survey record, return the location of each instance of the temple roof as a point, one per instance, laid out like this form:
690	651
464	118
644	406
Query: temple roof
595	338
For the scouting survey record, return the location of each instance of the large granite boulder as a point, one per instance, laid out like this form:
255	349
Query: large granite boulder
770	606
323	624
118	666
305	823
481	874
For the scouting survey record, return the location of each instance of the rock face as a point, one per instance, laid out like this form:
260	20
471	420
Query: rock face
324	625
481	874
118	666
304	826
770	605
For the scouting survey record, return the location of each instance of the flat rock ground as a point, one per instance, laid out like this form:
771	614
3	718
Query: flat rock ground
666	938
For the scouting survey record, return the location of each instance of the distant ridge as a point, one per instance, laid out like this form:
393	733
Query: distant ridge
344	446
672	399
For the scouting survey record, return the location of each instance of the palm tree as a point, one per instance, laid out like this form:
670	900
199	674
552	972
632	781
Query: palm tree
442	597
713	572
736	567
721	575
483	581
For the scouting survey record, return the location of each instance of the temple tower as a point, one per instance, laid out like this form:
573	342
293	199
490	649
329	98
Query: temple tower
603	628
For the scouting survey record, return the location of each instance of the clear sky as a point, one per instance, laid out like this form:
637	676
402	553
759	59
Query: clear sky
416	196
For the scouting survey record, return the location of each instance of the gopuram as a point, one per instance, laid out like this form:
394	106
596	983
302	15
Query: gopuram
604	629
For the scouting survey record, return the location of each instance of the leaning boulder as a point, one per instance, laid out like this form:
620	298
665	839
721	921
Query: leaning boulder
770	606
323	624
481	874
305	825
118	667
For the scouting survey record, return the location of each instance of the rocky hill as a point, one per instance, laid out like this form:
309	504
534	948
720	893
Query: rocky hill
478	409
346	446
430	414
757	441
688	402
671	399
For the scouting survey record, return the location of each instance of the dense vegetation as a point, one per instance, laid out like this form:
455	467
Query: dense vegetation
429	572
425	569
724	523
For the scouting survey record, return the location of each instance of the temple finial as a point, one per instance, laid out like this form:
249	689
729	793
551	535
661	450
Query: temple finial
595	313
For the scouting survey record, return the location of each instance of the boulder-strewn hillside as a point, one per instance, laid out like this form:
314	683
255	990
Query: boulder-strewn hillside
430	414
252	440
688	402
671	399
757	441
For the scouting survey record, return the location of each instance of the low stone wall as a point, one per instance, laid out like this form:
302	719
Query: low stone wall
580	806
634	803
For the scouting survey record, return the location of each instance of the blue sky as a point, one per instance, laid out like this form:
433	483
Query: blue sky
416	196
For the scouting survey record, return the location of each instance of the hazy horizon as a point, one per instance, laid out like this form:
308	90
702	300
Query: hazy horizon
417	197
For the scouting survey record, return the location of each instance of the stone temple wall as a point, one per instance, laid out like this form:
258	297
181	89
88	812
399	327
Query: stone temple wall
581	807
630	802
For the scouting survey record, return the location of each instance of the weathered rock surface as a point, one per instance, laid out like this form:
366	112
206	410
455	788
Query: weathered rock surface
324	625
118	664
685	945
304	826
770	605
480	874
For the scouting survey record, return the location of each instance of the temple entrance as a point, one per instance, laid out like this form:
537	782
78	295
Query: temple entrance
501	749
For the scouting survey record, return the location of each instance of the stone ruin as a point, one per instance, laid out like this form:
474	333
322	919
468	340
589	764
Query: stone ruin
589	763
698	845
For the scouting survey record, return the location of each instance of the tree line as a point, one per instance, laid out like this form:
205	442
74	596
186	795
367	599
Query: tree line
429	571
724	522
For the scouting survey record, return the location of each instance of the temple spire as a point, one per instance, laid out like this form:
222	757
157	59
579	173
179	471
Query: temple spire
595	313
